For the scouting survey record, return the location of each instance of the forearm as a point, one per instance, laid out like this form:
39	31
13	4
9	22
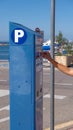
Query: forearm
61	67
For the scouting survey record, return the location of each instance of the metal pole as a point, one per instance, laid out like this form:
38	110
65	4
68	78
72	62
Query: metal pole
52	67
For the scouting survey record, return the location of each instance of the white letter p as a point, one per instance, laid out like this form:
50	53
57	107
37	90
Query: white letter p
18	34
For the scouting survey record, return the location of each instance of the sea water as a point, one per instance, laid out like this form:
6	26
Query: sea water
4	52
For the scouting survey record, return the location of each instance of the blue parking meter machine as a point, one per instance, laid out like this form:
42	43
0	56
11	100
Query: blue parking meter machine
26	78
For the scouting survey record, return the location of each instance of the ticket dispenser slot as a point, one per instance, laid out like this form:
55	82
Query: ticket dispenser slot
26	83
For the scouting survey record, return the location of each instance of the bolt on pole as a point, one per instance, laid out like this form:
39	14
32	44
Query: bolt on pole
52	32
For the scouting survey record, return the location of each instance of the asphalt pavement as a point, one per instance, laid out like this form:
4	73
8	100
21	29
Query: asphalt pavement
63	99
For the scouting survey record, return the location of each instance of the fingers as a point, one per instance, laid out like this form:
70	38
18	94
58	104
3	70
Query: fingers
44	54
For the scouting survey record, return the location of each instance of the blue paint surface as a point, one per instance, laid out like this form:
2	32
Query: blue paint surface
23	82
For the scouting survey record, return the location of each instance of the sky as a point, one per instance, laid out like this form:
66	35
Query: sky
37	13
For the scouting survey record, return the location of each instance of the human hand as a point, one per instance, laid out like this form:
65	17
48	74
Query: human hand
46	55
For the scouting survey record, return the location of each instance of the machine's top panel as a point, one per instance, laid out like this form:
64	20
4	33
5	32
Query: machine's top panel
21	35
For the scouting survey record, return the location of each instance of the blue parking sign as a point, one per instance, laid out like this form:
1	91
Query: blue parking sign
26	78
18	36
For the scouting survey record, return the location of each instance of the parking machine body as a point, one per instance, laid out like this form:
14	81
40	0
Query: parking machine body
26	78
